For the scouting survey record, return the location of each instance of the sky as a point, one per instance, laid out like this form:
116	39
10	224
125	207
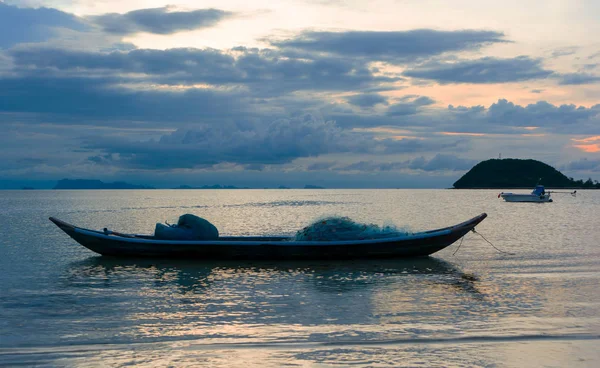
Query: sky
345	94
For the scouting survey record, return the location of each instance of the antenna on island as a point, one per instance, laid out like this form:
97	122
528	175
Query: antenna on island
500	156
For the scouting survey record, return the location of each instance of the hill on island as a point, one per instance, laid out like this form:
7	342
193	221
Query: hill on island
96	184
514	173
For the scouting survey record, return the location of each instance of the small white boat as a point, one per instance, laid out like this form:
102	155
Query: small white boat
539	194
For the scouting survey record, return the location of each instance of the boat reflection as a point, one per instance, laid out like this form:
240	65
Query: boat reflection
323	276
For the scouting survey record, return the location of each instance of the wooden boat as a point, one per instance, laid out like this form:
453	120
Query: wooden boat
268	247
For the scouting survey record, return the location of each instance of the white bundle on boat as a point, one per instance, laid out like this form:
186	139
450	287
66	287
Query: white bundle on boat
343	228
189	227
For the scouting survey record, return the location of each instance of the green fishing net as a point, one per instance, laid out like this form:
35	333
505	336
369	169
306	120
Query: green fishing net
343	228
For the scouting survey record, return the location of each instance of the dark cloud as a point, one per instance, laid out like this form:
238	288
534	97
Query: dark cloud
577	78
583	164
501	117
505	117
173	65
409	105
266	72
253	143
159	20
398	46
484	70
541	114
19	25
97	101
367	100
205	145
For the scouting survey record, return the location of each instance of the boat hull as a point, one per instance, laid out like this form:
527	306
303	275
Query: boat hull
270	248
509	197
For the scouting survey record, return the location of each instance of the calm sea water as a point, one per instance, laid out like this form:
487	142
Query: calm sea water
60	305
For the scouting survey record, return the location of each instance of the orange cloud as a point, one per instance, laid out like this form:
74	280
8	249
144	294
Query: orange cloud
533	135
589	139
591	148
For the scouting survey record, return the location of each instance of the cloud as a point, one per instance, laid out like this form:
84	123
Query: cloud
101	101
502	117
159	20
577	78
251	143
442	162
594	55
205	145
583	164
367	100
319	166
20	25
564	51
590	148
266	72
484	70
396	46
439	162
410	105
185	65
541	114
370	166
243	108
211	130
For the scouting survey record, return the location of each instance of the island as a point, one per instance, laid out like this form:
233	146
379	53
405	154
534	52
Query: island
512	173
310	186
96	184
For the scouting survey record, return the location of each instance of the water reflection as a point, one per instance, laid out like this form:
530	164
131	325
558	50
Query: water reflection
324	276
159	300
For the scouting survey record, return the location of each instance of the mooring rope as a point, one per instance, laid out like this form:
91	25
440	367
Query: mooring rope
483	237
490	243
461	240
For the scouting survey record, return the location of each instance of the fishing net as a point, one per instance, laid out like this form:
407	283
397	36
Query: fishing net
189	227
343	228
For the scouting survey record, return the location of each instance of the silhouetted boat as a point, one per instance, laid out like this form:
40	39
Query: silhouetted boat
420	244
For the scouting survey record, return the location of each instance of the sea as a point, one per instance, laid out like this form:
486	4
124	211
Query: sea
531	298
